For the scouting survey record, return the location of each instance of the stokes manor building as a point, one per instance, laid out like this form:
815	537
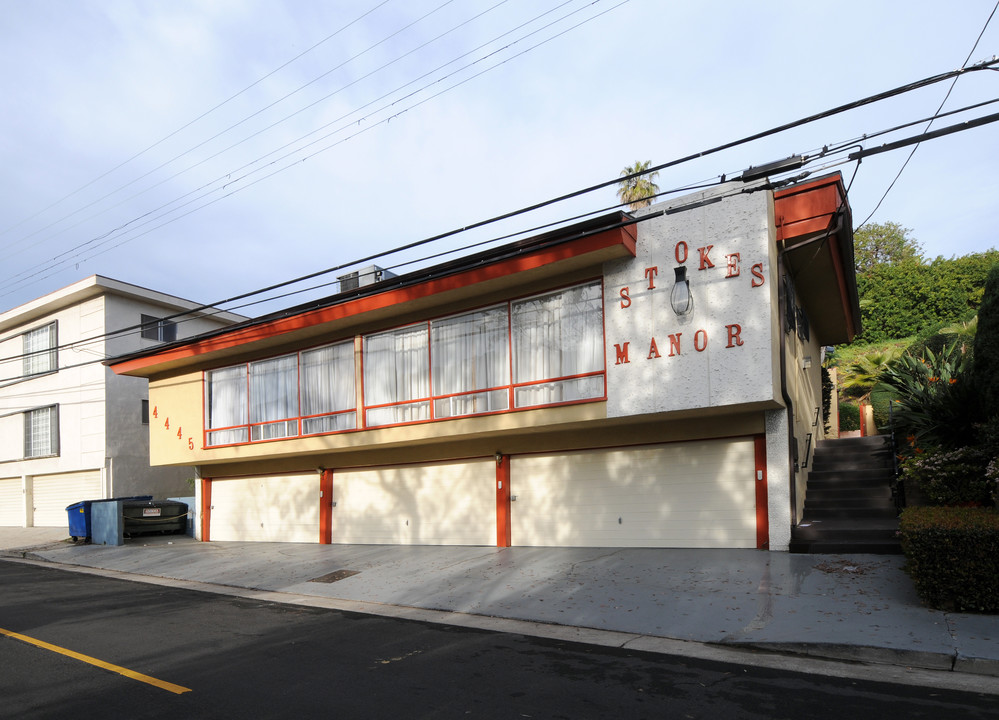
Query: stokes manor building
646	380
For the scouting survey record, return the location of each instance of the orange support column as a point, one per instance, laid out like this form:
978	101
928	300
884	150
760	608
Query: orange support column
502	500
762	510
326	507
206	509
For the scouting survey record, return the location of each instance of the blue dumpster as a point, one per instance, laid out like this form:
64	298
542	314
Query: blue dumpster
79	516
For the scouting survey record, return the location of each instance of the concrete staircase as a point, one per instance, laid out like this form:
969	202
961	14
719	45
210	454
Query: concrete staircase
849	506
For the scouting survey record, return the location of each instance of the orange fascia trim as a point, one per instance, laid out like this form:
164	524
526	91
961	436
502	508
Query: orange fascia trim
837	262
206	510
762	496
326	507
624	236
503	518
807	209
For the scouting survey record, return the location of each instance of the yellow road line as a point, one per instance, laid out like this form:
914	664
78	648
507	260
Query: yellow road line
177	689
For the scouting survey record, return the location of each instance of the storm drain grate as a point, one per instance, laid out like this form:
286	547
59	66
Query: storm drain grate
334	576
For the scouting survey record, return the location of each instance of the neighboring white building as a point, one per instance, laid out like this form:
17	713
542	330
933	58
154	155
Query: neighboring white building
70	429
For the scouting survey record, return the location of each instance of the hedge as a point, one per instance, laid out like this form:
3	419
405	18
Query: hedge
849	417
952	555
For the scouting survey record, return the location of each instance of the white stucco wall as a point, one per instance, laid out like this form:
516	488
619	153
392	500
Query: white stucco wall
722	353
100	427
78	390
127	437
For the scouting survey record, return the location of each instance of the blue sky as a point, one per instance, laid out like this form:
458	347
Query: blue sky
128	149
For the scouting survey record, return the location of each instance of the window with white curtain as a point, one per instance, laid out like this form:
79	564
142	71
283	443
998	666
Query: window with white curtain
397	376
40	350
41	432
445	368
327	386
274	398
471	363
558	347
226	406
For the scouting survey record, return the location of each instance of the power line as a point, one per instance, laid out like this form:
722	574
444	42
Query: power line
80	345
930	123
191	122
216	307
225	131
106	237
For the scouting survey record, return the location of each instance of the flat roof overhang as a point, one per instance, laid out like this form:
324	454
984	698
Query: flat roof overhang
815	233
532	261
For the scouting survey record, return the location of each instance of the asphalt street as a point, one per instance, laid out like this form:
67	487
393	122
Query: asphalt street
169	652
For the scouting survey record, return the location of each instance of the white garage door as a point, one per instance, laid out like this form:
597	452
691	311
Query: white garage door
53	493
695	494
275	508
11	502
433	504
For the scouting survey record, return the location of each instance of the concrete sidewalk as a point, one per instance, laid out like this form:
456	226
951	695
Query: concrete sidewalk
845	607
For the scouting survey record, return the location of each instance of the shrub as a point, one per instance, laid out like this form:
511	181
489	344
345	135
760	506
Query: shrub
986	368
849	417
936	401
880	402
952	555
951	477
827	395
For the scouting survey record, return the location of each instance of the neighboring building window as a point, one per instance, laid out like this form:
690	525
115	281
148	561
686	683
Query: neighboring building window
471	363
154	328
225	406
41	432
145	412
274	398
397	376
327	389
40	350
558	347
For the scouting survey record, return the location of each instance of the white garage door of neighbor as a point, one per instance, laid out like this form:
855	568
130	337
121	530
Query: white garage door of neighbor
53	493
433	504
11	502
694	494
275	508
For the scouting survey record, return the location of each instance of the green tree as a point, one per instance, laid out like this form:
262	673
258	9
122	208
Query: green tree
859	376
638	192
904	300
986	363
888	243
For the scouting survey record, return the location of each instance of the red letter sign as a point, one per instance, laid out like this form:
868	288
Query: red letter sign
732	265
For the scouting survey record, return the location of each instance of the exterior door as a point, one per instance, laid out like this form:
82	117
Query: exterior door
427	504
692	494
273	508
53	493
11	502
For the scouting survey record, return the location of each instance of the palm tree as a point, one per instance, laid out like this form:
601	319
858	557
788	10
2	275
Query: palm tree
860	377
638	191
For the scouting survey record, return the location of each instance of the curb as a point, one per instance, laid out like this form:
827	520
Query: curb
845	661
859	653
